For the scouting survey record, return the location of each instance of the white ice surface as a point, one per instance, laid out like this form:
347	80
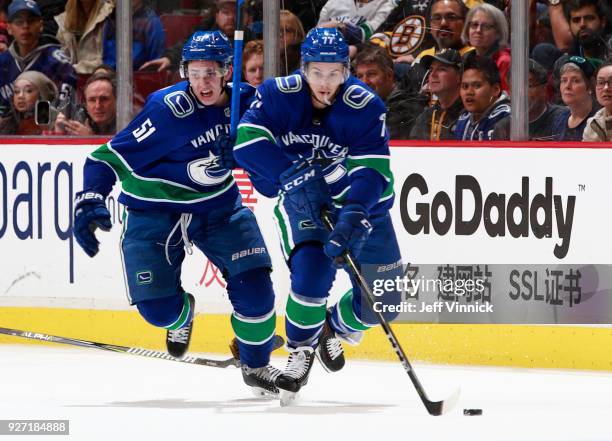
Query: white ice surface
118	397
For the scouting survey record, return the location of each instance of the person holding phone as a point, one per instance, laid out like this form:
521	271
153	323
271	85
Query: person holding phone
29	87
99	114
32	50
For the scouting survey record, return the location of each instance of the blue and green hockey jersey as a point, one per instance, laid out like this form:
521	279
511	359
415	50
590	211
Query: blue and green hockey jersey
348	140
164	158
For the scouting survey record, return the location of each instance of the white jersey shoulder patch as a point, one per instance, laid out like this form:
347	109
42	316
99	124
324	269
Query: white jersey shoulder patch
180	103
290	84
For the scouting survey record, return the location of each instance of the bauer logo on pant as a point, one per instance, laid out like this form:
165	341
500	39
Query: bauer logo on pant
249	252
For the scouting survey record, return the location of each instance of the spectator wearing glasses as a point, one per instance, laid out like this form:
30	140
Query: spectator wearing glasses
599	126
32	51
486	29
486	105
291	29
439	120
577	94
447	19
291	36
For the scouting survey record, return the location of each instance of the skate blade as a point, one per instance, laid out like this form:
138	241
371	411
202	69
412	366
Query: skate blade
288	398
325	368
260	392
318	357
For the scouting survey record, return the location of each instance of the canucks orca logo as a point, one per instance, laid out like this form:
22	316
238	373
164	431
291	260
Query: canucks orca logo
332	166
207	171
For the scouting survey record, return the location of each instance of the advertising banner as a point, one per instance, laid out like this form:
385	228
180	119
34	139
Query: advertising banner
453	206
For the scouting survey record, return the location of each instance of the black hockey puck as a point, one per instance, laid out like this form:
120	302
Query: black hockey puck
472	412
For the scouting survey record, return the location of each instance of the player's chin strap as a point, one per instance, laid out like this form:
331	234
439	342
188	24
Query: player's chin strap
183	222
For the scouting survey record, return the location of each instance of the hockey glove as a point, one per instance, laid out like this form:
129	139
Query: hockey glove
223	148
90	213
350	233
305	191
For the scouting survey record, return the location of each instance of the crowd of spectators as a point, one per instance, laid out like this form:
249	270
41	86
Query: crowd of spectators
442	67
84	43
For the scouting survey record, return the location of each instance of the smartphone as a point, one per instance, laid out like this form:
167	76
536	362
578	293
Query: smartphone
80	115
42	113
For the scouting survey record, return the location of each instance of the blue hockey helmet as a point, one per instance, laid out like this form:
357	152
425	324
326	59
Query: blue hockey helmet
206	45
326	45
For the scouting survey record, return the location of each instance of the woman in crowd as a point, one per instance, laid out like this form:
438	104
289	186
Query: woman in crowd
291	36
486	105
28	88
577	94
486	28
291	29
81	31
599	126
253	63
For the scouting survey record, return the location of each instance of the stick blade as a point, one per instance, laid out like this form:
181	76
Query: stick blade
437	408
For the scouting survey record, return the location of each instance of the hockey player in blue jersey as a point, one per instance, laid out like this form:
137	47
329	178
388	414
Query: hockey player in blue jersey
320	138
177	195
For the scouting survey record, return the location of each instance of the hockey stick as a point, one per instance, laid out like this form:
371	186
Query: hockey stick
278	342
237	73
433	407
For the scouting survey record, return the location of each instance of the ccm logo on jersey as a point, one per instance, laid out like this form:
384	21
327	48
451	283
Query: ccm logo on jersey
249	252
299	180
